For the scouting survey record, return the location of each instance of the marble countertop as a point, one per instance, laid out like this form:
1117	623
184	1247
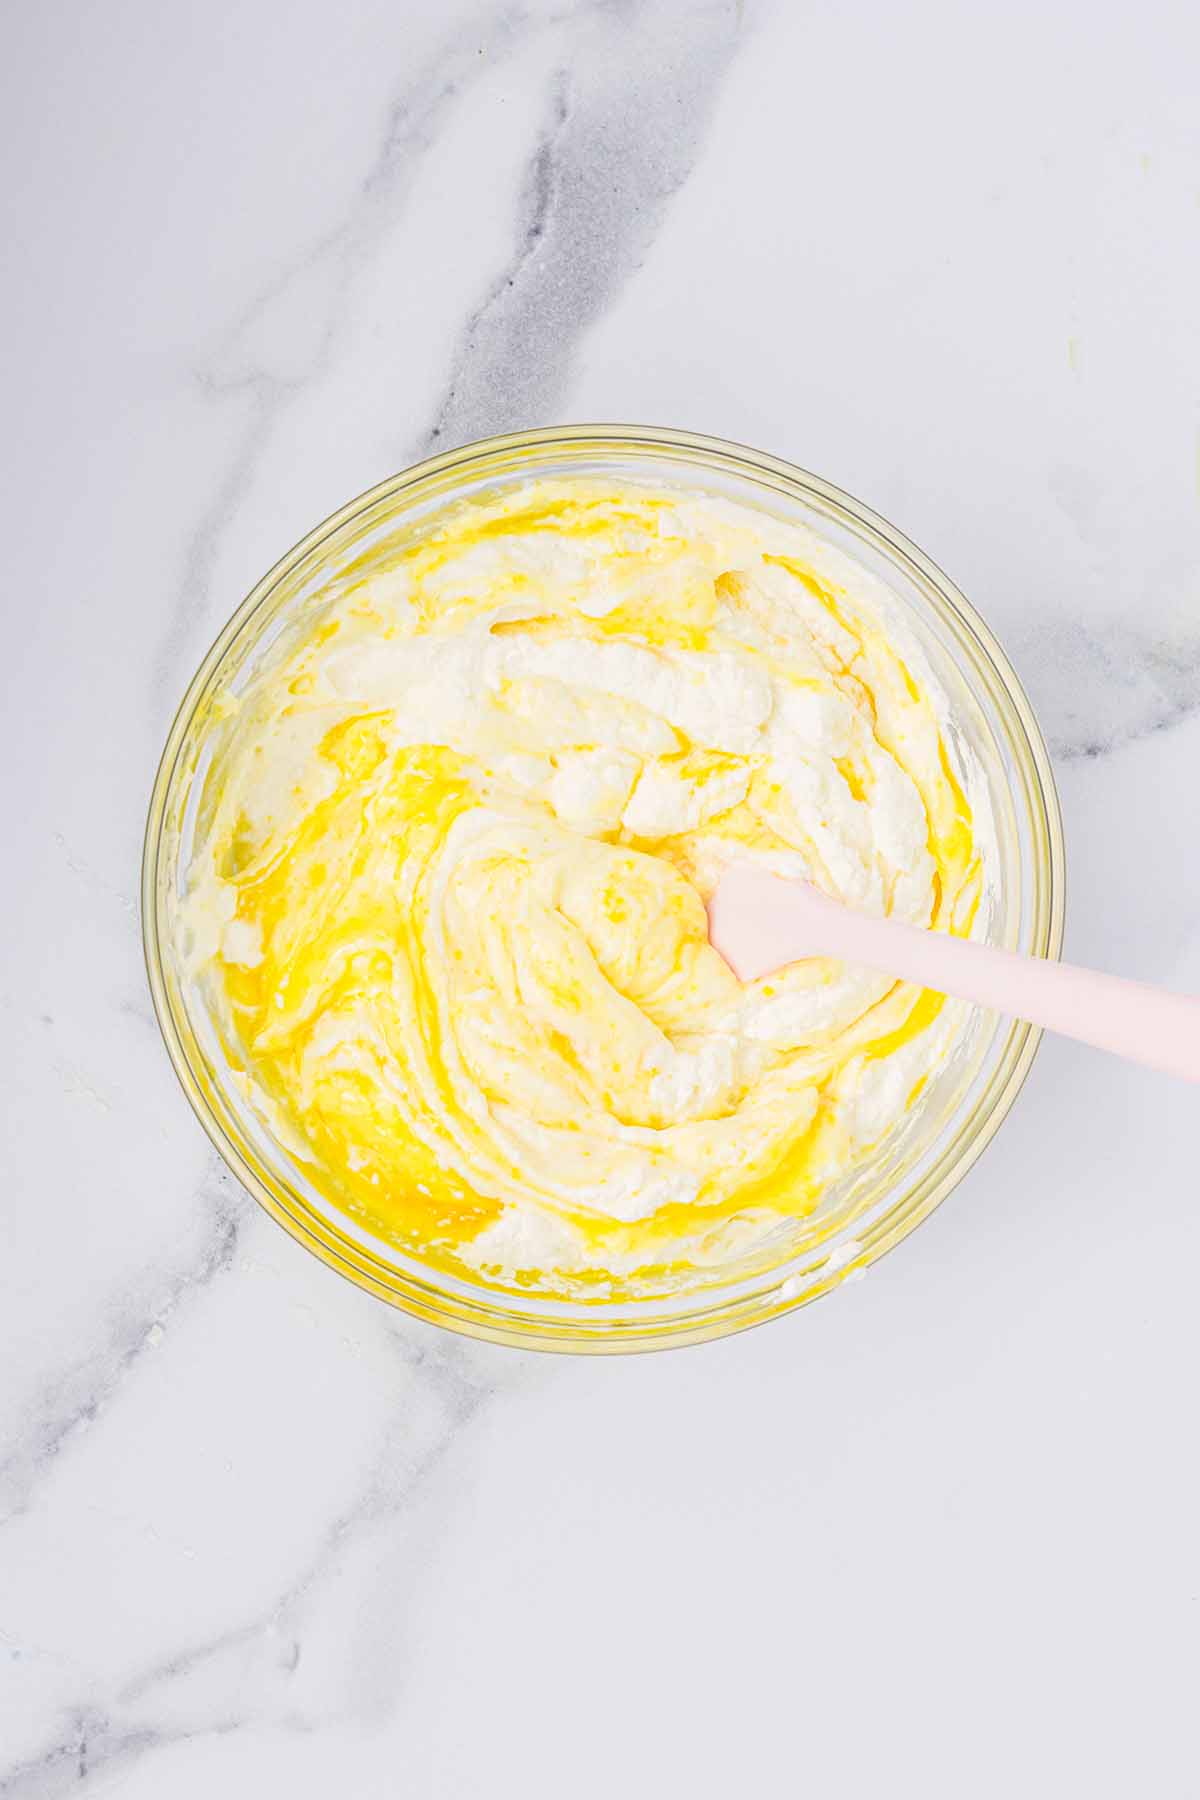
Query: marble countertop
260	1533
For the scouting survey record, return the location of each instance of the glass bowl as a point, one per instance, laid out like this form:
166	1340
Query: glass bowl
962	1106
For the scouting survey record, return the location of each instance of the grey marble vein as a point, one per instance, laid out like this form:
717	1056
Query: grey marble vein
71	1399
89	1746
1099	691
245	1675
624	128
242	363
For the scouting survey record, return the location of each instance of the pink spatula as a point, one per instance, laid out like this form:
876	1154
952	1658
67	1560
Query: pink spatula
759	922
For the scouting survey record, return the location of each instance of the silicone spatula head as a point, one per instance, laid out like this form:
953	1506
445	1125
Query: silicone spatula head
759	922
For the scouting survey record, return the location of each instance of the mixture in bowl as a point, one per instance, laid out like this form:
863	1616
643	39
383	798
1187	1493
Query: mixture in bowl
446	897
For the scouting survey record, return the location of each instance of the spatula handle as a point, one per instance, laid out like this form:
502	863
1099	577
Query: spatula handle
1145	1024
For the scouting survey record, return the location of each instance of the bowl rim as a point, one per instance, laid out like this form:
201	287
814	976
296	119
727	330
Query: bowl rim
426	1299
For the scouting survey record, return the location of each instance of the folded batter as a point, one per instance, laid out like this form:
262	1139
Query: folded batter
446	900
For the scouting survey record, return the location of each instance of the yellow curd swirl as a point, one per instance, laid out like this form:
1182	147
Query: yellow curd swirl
446	900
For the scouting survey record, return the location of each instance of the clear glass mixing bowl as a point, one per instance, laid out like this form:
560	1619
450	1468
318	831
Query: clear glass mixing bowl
960	1109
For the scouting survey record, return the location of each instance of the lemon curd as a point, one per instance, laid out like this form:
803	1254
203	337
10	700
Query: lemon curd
446	899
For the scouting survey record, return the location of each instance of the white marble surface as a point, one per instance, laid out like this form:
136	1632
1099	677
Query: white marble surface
260	1534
